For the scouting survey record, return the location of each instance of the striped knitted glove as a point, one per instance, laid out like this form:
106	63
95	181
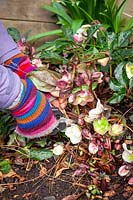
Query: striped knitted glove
33	113
20	64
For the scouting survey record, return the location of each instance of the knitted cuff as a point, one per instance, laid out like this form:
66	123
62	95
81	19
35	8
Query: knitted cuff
33	113
20	64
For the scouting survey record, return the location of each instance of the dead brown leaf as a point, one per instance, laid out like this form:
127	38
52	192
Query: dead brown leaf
58	172
109	193
12	174
43	171
27	195
70	197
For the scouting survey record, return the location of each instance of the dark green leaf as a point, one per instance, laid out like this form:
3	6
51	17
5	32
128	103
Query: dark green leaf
76	24
120	74
117	97
48	33
14	33
115	85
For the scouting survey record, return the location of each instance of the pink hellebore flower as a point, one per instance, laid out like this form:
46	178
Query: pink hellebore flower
81	33
65	80
93	148
123	170
97	76
86	134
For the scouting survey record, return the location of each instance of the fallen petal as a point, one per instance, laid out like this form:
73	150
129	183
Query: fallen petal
123	170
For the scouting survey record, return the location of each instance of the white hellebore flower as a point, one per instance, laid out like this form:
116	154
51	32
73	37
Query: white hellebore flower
74	133
58	149
127	154
94	113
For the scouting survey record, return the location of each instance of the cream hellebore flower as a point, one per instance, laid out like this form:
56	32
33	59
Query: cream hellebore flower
74	133
58	149
116	129
129	70
127	154
95	113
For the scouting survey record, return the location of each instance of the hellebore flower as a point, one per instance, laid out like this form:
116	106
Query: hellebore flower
94	113
74	133
81	98
129	70
93	148
58	149
101	126
116	129
37	62
81	34
127	154
65	81
123	170
97	76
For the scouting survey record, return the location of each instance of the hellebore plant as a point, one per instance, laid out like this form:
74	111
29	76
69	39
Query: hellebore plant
84	64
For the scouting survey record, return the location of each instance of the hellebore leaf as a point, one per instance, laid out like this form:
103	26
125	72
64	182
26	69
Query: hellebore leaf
44	79
39	154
